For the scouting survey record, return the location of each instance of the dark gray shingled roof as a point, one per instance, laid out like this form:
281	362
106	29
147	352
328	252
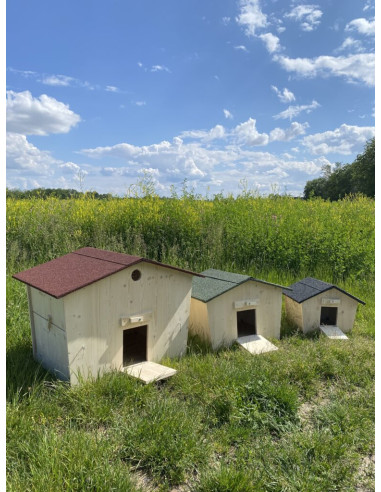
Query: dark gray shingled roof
310	287
217	282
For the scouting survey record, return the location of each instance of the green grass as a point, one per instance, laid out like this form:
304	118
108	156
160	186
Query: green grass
297	419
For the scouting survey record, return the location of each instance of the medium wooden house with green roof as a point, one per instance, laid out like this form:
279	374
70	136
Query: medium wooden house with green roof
228	307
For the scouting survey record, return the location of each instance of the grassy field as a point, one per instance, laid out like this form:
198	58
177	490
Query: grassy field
298	419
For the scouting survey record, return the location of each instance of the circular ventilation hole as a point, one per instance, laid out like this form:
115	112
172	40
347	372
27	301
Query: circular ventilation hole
136	274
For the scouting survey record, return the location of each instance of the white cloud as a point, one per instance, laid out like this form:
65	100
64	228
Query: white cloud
308	15
293	111
295	129
368	5
160	68
227	114
38	116
271	42
362	26
248	134
54	79
24	156
358	68
111	88
25	160
343	140
140	103
192	169
216	132
251	16
351	44
241	47
225	20
202	165
69	167
285	96
57	80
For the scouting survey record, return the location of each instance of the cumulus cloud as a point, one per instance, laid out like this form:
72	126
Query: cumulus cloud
248	134
285	96
343	140
24	156
362	26
354	68
285	135
69	168
354	45
207	136
203	165
251	16
271	42
293	111
308	16
38	116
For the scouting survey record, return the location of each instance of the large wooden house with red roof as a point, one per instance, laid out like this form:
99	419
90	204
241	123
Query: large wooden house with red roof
94	310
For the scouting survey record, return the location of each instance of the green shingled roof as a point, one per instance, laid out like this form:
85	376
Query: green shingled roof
217	282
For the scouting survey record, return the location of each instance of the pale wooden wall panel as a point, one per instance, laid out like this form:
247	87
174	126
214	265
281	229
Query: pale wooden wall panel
51	347
222	314
346	310
93	314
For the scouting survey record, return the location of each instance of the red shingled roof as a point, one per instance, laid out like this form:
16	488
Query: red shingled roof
76	270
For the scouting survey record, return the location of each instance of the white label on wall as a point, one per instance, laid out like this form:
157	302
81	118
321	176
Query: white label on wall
326	300
128	320
246	303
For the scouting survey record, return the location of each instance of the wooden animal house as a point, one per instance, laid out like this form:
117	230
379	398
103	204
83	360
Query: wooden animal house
228	307
313	304
94	310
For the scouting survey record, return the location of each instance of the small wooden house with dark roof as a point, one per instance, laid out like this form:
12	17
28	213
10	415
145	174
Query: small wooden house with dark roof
313	304
228	307
94	310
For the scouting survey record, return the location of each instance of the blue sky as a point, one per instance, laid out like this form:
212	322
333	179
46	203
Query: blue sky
214	92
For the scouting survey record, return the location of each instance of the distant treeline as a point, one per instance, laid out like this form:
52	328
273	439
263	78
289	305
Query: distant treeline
63	194
358	177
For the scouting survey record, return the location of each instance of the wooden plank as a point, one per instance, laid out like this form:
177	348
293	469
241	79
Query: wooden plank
149	372
333	332
256	344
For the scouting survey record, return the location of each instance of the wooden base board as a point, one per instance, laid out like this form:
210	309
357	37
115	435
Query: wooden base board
256	344
149	372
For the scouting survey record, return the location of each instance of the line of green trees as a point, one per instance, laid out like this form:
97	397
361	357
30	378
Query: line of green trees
358	177
61	193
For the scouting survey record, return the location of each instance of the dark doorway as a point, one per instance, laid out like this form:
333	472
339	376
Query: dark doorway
246	323
328	316
134	345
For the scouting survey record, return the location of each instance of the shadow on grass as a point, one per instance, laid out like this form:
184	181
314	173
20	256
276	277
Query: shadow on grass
23	372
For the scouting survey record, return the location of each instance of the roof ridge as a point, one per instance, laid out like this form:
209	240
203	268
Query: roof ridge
224	280
311	286
139	258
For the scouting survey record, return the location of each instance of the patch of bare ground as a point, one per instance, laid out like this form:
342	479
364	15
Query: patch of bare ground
143	482
307	409
366	475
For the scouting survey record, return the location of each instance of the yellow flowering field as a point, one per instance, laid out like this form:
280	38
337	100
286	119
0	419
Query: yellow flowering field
240	234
